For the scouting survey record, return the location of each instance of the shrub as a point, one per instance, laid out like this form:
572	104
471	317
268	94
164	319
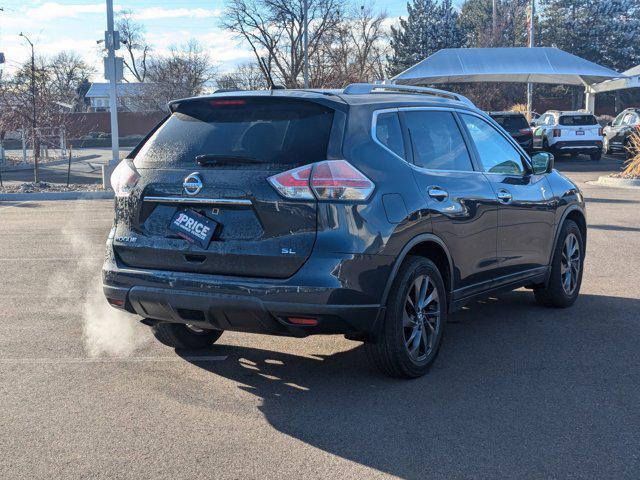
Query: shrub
632	165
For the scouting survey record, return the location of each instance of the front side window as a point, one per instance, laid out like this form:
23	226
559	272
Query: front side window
436	140
618	121
389	133
497	155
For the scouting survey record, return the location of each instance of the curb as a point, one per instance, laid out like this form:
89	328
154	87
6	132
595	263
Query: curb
618	182
36	196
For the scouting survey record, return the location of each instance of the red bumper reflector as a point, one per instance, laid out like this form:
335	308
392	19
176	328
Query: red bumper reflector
115	302
303	321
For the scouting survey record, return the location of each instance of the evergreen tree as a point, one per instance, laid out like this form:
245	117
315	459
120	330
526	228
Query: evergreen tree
605	32
430	26
476	19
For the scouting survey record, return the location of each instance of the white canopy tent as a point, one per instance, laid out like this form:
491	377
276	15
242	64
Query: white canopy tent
629	79
520	65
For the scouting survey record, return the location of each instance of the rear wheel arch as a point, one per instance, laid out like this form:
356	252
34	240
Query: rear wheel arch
427	246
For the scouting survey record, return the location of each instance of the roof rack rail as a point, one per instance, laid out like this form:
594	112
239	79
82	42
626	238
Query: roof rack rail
365	88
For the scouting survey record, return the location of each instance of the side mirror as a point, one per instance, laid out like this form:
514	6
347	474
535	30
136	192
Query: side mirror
542	163
533	124
609	124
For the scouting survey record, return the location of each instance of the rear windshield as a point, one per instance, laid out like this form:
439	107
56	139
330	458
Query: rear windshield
578	120
512	123
264	130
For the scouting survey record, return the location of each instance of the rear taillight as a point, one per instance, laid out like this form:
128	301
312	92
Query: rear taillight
557	132
124	178
294	183
600	132
525	131
339	180
328	180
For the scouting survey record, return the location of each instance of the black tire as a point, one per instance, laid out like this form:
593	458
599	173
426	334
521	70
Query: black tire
555	294
388	350
177	335
595	157
545	146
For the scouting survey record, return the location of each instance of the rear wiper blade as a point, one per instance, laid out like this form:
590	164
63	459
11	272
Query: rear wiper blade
222	159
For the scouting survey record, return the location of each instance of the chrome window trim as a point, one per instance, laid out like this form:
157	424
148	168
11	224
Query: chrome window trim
198	200
509	139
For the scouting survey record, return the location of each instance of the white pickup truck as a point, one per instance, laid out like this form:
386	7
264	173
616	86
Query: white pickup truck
568	133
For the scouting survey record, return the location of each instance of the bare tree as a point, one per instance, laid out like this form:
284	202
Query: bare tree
274	31
247	76
132	34
67	73
57	82
186	71
354	52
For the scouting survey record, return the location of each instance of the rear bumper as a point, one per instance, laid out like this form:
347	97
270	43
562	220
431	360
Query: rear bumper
583	146
317	292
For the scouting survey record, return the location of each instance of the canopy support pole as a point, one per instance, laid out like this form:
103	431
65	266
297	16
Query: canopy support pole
589	100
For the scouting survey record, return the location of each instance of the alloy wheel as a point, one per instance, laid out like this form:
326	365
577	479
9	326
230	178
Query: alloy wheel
570	264
421	318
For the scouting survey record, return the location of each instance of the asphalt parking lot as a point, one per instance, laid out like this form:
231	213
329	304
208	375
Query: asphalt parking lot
518	391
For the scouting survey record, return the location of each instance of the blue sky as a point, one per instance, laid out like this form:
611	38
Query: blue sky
76	25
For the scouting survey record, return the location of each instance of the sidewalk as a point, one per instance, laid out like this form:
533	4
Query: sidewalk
85	167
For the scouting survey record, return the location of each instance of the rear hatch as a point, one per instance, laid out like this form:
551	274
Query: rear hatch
579	128
230	145
515	125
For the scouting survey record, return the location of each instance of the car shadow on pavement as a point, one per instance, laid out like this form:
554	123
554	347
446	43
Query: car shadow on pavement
518	391
582	163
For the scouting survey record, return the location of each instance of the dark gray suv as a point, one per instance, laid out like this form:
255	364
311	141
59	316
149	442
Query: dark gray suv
373	212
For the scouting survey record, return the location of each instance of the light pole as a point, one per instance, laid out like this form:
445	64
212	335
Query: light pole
110	40
532	13
305	40
34	121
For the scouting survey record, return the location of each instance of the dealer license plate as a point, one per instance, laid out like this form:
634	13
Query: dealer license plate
194	227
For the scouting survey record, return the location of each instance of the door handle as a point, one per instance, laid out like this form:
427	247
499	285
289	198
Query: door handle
504	196
438	193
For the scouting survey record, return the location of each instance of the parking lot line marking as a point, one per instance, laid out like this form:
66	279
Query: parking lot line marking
48	259
82	360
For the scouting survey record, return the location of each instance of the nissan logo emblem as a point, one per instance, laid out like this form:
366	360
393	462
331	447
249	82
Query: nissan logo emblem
192	184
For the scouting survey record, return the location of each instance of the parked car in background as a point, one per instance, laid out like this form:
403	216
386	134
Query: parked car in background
568	133
617	134
364	212
515	123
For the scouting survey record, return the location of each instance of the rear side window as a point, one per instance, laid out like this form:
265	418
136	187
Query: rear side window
389	133
578	120
512	123
264	130
436	140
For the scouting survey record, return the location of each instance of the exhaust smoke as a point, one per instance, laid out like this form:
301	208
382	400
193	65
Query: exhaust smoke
106	331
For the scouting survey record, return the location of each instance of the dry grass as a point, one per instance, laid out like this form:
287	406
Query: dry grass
632	166
519	107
